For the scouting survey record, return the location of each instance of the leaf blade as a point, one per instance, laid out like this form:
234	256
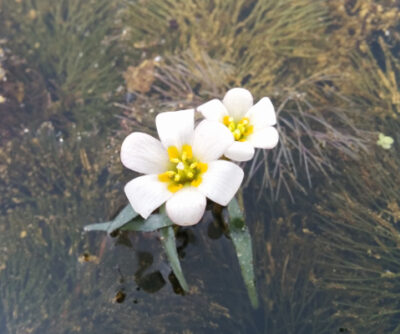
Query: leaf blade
169	244
241	239
153	223
124	217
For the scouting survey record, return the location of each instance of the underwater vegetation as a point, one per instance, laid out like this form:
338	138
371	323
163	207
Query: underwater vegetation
70	50
273	48
377	80
41	220
287	253
361	237
323	207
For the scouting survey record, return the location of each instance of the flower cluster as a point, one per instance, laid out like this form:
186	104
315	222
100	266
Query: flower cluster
184	167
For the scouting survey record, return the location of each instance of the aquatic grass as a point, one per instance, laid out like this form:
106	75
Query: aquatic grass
376	77
272	48
72	45
181	80
359	231
309	138
209	25
286	262
42	217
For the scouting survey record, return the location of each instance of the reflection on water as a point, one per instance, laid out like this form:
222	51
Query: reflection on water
323	208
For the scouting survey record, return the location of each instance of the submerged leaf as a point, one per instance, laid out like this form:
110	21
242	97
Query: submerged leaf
153	223
125	216
241	239
97	227
169	244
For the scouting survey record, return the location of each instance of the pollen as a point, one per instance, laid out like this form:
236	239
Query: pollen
240	130
184	169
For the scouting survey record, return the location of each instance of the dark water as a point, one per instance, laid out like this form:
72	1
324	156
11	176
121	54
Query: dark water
322	208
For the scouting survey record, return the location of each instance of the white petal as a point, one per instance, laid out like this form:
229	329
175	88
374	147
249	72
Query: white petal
240	151
221	181
186	207
238	101
146	193
175	128
211	139
265	138
262	114
144	154
213	110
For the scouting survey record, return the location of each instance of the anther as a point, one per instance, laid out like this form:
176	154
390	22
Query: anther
241	128
237	134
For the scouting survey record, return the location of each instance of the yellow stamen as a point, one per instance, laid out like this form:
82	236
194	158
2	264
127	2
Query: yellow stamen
196	182
203	167
170	173
226	120
173	153
184	168
173	187
240	130
249	130
164	177
244	121
187	151
237	134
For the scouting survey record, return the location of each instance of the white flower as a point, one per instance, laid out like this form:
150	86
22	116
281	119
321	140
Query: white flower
182	169
251	125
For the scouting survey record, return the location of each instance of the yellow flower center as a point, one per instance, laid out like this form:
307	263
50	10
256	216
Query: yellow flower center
184	169
240	130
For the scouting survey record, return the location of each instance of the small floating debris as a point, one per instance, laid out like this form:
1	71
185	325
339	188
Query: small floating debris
86	257
385	141
119	297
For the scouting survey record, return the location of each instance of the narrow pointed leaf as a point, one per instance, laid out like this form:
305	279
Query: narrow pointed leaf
241	239
97	227
169	244
125	216
153	223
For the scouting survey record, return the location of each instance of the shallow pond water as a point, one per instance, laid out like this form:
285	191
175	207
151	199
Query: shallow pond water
323	207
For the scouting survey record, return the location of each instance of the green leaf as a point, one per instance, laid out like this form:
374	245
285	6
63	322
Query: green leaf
153	223
241	239
169	244
97	227
125	216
